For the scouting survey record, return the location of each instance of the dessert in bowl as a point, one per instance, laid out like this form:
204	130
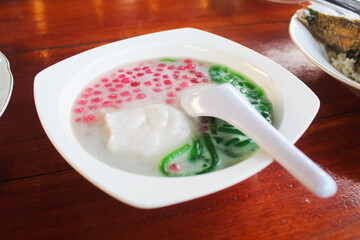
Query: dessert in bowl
113	114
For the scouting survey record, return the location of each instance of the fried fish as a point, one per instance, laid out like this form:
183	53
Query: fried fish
338	34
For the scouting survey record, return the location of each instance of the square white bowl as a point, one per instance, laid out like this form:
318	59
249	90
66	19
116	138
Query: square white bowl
56	88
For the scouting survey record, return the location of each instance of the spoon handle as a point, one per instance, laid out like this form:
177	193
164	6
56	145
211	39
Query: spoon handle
227	103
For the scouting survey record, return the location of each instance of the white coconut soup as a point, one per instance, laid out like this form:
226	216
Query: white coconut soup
130	118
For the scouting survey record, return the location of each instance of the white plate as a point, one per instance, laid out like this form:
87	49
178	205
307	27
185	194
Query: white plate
6	83
315	52
286	1
56	87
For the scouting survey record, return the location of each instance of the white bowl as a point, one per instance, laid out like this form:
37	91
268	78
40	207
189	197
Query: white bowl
6	83
56	87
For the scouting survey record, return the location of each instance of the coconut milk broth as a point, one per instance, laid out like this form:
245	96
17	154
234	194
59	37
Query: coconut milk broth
132	86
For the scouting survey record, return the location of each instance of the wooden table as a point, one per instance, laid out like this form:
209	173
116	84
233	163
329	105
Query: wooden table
42	197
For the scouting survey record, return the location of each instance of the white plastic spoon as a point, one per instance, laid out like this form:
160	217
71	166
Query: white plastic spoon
226	102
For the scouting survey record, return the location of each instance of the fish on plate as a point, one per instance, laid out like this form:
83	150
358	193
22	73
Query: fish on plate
340	35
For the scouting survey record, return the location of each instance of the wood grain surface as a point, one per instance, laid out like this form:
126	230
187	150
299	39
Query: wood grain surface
42	197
